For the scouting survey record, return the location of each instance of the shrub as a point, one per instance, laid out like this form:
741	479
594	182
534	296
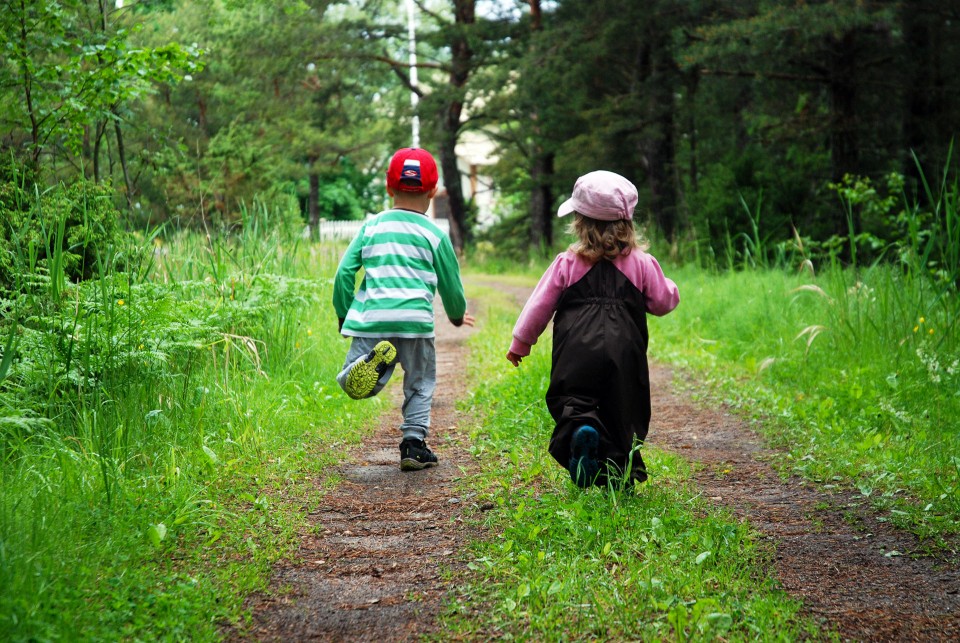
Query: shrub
77	225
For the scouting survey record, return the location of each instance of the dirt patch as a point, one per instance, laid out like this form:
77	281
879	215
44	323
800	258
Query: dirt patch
370	567
852	571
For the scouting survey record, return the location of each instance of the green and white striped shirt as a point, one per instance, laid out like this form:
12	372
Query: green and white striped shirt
406	259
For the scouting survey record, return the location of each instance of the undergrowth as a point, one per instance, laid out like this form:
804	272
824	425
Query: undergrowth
149	419
854	375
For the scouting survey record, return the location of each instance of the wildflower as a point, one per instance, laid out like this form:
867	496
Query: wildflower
140	347
916	328
309	333
930	331
931	363
120	302
922	320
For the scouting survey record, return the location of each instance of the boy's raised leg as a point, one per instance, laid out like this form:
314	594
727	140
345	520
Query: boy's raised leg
363	374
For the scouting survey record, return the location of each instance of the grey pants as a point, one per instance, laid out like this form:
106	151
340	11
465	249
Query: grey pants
418	356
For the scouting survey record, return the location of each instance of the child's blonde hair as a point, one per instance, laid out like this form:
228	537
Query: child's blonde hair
598	240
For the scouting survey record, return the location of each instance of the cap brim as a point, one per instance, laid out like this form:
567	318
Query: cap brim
566	208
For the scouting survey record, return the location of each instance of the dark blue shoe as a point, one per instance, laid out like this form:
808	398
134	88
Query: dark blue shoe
583	461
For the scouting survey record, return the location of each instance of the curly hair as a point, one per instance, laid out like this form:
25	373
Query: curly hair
598	240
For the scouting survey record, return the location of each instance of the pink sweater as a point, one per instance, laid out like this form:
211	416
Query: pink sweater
641	269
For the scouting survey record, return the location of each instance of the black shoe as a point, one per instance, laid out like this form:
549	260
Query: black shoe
416	455
583	459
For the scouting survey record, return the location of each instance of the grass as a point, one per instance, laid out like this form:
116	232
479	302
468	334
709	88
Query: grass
855	375
160	434
558	563
162	426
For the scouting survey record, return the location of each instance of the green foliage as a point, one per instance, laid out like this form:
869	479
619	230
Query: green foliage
283	96
65	232
67	72
136	421
338	200
611	564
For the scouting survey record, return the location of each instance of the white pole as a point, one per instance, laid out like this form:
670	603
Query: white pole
412	46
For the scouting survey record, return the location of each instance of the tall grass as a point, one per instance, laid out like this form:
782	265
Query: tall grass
144	414
855	367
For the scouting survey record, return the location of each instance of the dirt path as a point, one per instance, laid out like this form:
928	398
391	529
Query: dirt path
831	551
371	566
372	562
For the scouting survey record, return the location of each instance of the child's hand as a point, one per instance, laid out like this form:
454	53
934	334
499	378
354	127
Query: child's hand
467	320
514	358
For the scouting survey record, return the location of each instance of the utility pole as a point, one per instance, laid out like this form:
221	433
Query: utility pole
412	46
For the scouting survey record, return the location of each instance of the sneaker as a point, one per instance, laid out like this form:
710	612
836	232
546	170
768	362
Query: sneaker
583	460
363	376
416	455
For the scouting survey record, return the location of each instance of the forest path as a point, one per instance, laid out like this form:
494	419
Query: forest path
370	567
852	570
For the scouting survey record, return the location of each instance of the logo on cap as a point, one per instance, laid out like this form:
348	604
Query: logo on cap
411	170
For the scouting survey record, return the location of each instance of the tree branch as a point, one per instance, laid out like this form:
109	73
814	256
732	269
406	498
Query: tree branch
763	74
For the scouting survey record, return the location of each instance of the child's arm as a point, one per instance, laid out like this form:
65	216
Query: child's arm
345	280
450	285
661	293
537	312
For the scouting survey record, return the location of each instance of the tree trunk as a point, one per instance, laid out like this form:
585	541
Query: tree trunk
843	117
541	168
693	82
451	179
541	201
461	56
122	156
926	112
658	148
844	151
97	146
25	69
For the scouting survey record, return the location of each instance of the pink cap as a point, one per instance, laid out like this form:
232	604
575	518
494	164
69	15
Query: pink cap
601	195
412	170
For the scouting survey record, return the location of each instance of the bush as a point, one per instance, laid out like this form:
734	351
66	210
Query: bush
76	225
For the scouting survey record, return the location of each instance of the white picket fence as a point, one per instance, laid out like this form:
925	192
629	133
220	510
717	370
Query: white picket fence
346	230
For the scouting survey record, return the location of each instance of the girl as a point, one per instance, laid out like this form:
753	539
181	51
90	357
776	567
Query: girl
598	292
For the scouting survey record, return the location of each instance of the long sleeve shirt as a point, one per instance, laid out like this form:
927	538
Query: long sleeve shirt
406	260
643	271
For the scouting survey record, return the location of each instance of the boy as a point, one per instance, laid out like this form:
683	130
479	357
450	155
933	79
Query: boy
406	259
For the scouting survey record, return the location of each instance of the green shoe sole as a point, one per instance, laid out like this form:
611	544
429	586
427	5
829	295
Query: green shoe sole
362	378
409	464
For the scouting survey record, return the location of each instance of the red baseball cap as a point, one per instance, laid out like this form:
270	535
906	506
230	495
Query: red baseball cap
412	170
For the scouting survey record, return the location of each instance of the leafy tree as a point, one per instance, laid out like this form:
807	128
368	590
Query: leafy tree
66	75
804	78
280	105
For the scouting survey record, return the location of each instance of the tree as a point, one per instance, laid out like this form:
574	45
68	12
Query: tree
68	71
283	107
815	69
593	88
